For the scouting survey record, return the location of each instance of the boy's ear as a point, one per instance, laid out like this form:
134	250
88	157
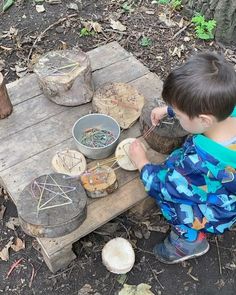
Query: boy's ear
207	120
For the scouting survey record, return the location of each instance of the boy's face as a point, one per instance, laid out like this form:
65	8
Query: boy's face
194	125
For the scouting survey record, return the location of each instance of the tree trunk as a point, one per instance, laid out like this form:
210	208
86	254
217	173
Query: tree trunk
223	11
5	103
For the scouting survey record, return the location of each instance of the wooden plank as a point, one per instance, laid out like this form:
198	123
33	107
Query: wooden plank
108	54
29	113
103	56
48	133
17	177
123	71
23	89
149	85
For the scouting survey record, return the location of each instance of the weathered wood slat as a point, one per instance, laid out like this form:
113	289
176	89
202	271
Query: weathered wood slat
149	85
30	141
123	71
29	113
106	55
28	87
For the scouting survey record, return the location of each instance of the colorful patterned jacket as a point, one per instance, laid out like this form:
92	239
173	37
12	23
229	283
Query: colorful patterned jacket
196	185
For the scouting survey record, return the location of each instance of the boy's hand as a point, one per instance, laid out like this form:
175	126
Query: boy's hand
137	154
157	114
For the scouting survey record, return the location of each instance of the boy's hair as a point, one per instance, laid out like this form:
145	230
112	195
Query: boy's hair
205	84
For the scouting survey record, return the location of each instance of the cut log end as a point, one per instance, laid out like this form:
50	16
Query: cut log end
5	103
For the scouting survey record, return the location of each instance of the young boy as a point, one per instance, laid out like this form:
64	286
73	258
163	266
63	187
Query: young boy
195	187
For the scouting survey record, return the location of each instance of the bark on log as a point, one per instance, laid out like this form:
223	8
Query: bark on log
167	136
5	103
223	11
65	77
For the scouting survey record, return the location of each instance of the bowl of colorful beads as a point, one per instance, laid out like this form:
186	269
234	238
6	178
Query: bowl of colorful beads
96	135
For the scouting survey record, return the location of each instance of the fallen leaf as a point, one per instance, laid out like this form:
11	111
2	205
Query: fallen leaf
141	289
40	8
2	207
53	1
73	6
7	4
87	290
150	12
92	26
178	51
170	23
4	253
181	23
117	25
19	245
12	223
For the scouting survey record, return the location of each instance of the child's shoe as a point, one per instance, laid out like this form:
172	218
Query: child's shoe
175	249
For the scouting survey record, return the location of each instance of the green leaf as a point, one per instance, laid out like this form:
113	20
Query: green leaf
145	42
127	7
7	4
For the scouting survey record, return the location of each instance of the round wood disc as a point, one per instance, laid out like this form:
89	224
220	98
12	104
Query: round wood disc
99	181
120	101
52	205
69	162
122	154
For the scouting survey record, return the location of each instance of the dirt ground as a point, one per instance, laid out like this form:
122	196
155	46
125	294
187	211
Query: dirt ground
25	34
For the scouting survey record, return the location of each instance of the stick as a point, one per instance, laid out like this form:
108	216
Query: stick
41	35
180	31
155	276
219	259
14	265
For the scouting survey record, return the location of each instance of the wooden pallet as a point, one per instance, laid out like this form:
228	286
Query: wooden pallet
38	128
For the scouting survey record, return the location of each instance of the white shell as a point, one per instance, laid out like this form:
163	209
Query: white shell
118	256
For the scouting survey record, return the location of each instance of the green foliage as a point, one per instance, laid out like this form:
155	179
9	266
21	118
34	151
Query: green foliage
7	4
204	29
127	7
85	32
145	42
175	4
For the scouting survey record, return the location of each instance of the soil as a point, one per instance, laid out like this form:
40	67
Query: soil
20	46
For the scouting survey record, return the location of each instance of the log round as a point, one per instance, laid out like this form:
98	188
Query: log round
165	137
65	77
99	182
52	205
5	103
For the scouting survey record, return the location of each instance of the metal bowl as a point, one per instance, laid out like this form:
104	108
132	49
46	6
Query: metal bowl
96	120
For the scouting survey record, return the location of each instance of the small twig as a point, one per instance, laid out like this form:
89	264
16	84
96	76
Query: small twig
180	31
32	276
40	36
14	265
218	252
54	276
155	276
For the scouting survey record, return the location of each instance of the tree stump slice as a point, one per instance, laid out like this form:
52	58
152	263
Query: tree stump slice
52	205
5	103
99	182
120	101
65	77
165	137
69	162
122	154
